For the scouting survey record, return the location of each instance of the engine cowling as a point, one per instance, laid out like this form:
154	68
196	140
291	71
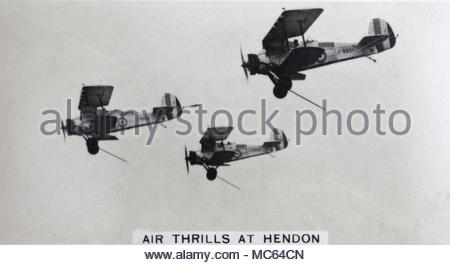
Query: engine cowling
193	158
70	127
253	64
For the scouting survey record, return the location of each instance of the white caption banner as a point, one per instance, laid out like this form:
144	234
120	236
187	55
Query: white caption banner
230	238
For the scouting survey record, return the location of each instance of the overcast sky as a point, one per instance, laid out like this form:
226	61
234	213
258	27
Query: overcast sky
362	189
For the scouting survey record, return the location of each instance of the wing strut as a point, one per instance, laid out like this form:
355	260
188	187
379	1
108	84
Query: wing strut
300	22
101	103
286	40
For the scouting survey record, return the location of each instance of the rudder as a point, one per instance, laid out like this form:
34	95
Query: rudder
379	26
170	100
278	135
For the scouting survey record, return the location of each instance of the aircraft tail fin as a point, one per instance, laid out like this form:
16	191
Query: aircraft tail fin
379	27
170	101
277	139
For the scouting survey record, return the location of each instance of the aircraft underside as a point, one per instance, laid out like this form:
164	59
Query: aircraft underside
282	79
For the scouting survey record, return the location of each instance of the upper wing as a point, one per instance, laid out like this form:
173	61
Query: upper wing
215	134
291	23
93	97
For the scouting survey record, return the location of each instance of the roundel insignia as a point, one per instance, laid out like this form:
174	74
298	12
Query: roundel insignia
237	154
322	57
122	122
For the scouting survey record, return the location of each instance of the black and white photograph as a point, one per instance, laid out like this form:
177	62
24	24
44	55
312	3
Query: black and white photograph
195	123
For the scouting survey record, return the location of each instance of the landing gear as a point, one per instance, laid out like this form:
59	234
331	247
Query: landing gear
211	173
282	87
92	146
279	92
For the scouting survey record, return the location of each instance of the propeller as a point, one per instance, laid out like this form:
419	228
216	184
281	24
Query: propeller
244	65
186	158
64	130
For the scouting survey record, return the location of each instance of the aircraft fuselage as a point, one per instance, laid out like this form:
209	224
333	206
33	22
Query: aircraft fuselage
227	152
333	53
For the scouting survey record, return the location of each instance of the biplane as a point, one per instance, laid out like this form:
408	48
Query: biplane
284	57
95	123
216	152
